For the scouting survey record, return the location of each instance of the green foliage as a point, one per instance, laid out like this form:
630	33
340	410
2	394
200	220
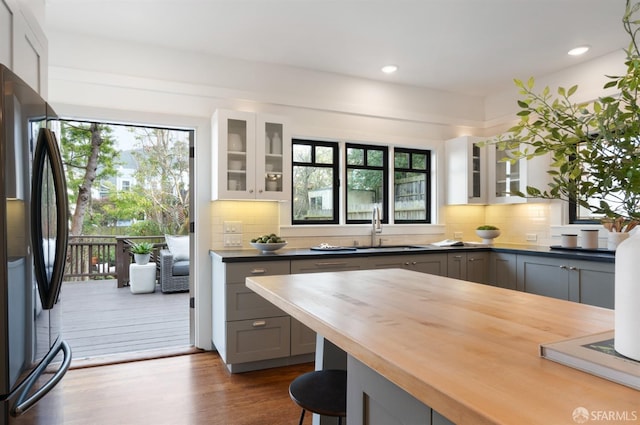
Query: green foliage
163	178
594	146
142	248
145	228
77	145
487	227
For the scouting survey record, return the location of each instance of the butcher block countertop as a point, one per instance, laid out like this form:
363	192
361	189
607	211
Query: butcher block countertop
469	351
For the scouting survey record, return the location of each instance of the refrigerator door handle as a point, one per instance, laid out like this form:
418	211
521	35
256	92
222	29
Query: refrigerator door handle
22	403
47	151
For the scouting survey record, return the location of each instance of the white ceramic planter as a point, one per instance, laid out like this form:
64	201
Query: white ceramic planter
141	259
627	297
614	239
488	236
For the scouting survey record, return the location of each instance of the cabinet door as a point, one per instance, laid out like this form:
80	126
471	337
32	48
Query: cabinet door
506	176
273	158
466	171
502	270
327	265
478	267
457	265
243	304
592	283
374	400
258	339
303	339
6	34
234	153
543	276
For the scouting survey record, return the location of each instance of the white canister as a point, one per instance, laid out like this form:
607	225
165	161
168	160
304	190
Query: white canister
569	241
589	238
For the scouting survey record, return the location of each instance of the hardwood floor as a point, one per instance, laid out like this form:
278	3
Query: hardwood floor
183	390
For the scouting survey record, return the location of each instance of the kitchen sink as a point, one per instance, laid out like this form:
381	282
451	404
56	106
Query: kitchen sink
393	247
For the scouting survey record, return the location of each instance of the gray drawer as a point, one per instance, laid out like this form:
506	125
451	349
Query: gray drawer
243	303
258	339
236	273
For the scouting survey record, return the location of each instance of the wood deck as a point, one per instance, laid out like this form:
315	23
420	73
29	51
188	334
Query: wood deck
99	319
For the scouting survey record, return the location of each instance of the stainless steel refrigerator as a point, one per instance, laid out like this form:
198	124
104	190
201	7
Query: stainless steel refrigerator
34	236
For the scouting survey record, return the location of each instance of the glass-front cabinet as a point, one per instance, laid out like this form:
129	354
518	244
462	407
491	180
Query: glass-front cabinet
466	171
507	176
251	156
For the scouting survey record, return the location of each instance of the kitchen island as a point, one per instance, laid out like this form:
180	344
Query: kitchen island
465	350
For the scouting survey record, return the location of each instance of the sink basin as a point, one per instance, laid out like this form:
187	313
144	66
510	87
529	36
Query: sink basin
394	247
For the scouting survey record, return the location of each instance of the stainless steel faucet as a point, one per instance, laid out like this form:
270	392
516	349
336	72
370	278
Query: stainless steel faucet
376	225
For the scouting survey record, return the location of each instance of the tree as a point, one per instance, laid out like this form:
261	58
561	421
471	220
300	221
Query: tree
163	177
88	153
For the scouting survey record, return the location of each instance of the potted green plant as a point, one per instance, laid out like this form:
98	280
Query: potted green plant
487	233
141	252
594	145
595	148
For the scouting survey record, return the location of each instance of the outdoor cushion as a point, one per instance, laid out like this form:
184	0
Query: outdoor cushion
179	246
180	268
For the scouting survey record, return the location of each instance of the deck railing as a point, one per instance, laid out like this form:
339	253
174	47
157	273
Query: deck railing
105	257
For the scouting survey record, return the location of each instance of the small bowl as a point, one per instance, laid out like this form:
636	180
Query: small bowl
488	235
268	247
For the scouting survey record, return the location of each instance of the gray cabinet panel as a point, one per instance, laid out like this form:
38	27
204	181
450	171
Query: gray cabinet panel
327	265
243	303
502	270
471	266
236	273
457	265
588	282
259	339
423	263
543	276
373	400
303	339
595	283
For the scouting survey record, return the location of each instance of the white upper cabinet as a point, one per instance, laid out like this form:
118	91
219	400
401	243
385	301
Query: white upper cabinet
466	171
23	45
251	156
506	177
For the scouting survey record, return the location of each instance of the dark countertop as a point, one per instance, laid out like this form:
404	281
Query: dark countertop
250	255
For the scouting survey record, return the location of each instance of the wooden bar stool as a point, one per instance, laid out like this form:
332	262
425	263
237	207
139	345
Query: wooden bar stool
323	392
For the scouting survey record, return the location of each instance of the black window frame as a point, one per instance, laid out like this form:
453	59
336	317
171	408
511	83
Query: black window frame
427	182
336	177
385	179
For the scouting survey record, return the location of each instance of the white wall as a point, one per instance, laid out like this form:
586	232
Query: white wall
101	79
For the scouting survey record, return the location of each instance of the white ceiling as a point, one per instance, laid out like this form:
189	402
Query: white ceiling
465	46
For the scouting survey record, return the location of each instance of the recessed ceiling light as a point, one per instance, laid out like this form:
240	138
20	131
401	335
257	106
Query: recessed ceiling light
389	69
577	51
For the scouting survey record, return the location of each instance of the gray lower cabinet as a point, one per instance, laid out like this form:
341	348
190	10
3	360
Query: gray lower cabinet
374	400
588	282
328	265
471	266
503	270
248	331
424	263
303	339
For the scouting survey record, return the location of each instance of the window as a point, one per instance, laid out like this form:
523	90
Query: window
316	188
315	182
411	186
367	176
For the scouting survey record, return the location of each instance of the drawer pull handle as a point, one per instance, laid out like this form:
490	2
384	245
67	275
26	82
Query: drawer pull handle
259	323
457	257
328	263
563	267
258	271
573	268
